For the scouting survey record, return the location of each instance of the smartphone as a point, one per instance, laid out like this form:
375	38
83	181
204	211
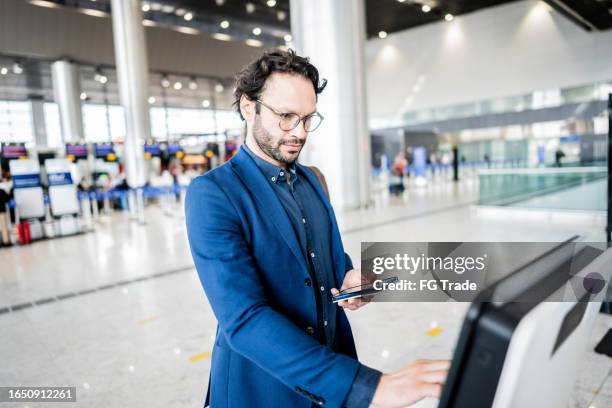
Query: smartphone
365	290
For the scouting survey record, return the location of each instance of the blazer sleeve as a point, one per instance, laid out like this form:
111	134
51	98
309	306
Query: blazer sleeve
238	299
348	263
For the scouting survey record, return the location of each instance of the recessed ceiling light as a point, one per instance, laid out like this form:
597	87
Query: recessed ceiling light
281	15
271	3
401	1
178	86
382	34
180	12
426	8
156	6
221	37
146	7
205	103
257	31
288	38
219	87
188	16
4	70
83	96
165	83
17	68
250	8
151	100
43	3
186	30
449	17
193	85
224	24
92	12
253	43
220	2
167	9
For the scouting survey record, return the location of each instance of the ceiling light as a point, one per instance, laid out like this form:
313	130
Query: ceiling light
151	100
193	85
146	7
188	16
17	68
205	103
219	87
221	37
165	83
187	30
180	12
149	23
167	9
271	3
449	17
250	8
4	70
103	79
401	1
83	96
43	3
220	2
253	43
256	31
178	86
281	15
426	8
156	6
382	34
288	38
224	24
94	13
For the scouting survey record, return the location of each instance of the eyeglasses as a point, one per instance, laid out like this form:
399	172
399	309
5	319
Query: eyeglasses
289	121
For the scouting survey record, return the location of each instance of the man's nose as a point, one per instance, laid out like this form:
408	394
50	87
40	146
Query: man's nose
299	131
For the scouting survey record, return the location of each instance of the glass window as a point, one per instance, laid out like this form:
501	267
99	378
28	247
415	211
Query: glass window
16	121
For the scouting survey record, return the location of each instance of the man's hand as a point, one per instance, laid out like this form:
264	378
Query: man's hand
352	279
421	379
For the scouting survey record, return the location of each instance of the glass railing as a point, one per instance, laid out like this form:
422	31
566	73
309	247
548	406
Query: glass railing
571	188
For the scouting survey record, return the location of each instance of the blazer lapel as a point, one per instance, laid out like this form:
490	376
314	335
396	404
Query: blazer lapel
244	166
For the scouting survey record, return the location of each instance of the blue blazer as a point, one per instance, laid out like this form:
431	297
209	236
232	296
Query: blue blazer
252	269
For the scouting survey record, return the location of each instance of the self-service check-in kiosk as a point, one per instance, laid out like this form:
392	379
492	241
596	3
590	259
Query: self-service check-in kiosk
525	348
63	197
29	200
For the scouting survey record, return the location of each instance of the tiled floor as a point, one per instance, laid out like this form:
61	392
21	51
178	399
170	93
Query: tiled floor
147	343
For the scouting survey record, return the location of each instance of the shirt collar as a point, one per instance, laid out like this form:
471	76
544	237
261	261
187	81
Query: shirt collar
273	173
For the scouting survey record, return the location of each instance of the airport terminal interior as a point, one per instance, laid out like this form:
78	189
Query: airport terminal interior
445	120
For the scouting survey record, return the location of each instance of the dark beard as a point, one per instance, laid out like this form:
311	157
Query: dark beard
264	141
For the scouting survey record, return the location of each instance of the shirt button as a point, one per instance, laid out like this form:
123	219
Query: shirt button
322	288
307	282
304	220
325	323
281	174
273	178
312	255
310	330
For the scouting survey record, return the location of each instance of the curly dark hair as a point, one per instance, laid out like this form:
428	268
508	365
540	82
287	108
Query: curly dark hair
251	80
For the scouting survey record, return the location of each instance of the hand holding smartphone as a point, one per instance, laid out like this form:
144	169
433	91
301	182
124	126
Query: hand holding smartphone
365	290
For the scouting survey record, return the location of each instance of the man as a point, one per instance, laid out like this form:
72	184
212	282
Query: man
268	252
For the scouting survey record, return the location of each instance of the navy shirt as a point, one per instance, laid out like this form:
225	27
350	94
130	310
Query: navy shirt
312	226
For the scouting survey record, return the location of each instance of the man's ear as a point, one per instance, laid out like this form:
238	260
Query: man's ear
247	108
